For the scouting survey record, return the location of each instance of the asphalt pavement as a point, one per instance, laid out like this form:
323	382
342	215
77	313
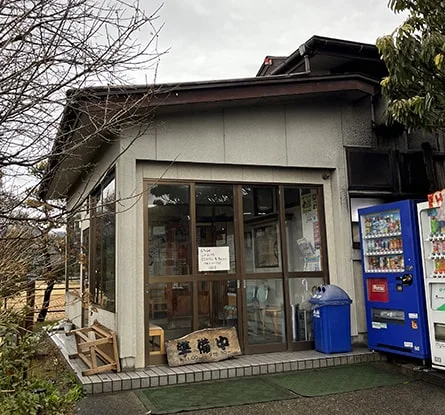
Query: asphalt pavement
423	393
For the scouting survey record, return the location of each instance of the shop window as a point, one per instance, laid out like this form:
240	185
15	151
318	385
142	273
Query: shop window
265	311
85	260
262	241
413	176
300	291
370	169
215	221
171	309
378	171
263	200
103	278
74	254
217	304
302	229
284	243
169	230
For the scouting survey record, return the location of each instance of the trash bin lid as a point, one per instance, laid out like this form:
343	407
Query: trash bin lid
330	295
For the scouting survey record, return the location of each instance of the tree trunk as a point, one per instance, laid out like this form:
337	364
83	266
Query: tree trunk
46	299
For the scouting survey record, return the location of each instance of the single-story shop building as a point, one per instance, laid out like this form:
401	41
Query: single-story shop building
225	203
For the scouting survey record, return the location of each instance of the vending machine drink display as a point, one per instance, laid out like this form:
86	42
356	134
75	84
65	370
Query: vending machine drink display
393	279
432	233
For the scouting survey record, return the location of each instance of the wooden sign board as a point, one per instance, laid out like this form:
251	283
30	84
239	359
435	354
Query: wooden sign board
203	346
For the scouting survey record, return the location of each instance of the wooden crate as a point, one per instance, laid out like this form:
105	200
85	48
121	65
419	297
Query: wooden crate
97	348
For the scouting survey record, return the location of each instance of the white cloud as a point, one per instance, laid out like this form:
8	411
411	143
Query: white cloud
229	39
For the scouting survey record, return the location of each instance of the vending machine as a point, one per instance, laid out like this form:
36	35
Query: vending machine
432	234
393	279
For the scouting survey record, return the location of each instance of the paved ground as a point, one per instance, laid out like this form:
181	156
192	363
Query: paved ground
423	394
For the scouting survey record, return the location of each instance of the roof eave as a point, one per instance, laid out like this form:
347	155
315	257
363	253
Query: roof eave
209	94
317	43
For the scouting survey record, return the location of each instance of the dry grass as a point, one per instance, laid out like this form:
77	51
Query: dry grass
56	309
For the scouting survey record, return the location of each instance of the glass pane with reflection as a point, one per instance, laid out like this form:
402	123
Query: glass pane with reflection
215	219
262	242
265	311
169	230
170	308
302	229
300	291
217	304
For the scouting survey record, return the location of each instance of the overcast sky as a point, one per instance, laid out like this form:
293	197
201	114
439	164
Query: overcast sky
221	39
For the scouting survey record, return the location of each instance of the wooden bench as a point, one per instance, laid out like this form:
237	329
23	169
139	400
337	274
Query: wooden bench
97	348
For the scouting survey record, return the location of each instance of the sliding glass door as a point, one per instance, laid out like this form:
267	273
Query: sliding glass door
234	255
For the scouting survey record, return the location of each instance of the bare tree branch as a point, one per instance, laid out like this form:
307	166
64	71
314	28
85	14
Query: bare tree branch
51	52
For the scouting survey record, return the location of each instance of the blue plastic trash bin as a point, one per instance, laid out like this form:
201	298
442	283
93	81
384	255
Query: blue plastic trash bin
331	318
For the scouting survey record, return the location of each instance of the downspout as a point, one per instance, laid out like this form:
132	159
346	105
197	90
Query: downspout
373	120
307	61
307	64
373	110
302	52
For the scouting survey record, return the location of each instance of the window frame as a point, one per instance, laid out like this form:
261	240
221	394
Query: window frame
96	282
73	252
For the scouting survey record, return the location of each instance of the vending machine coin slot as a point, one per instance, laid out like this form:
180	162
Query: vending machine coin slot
406	279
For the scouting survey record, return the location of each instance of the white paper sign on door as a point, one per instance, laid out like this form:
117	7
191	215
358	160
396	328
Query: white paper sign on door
214	258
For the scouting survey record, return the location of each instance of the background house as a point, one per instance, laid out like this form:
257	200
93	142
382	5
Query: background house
271	169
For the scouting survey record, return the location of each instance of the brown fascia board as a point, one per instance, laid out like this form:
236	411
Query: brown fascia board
265	90
328	46
229	90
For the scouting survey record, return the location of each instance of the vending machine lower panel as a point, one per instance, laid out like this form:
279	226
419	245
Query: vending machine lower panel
436	315
438	345
396	331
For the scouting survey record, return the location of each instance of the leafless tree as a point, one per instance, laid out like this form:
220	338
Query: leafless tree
50	50
48	47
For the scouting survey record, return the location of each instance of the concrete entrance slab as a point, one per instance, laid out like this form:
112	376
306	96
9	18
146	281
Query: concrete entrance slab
247	365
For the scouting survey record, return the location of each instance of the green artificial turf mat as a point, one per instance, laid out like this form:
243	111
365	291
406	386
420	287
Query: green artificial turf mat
338	379
288	385
221	393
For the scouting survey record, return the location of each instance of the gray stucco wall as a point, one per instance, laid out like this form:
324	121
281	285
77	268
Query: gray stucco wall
279	135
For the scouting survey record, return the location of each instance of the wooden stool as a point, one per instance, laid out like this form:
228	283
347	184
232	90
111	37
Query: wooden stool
157	331
97	348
